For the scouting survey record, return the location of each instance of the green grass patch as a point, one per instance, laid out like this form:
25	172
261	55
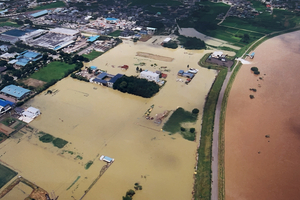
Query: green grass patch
94	54
78	177
59	143
9	24
6	175
57	4
265	22
53	71
115	33
178	117
188	134
47	138
78	157
88	164
202	187
8	121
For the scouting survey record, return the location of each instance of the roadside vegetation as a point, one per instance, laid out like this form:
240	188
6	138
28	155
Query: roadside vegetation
202	187
137	86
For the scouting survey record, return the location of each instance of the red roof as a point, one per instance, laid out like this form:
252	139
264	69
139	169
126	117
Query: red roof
164	75
268	6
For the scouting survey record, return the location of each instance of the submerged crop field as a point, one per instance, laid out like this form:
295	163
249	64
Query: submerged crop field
6	175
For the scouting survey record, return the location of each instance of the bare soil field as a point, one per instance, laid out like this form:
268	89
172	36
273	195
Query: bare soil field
262	135
34	82
5	129
154	56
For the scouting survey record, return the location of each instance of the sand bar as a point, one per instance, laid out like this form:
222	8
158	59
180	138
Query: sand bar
154	56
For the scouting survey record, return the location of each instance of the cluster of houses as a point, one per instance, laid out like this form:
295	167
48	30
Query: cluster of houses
9	96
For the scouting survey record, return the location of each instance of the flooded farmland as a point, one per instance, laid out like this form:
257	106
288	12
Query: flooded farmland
97	120
262	140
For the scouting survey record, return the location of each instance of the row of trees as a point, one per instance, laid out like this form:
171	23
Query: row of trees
136	86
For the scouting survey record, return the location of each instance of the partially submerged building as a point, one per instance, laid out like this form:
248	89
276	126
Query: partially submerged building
150	76
107	79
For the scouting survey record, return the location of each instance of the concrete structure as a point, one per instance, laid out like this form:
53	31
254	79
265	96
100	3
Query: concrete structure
15	91
150	76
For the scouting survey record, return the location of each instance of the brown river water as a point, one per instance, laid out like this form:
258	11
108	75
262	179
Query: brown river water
97	120
262	135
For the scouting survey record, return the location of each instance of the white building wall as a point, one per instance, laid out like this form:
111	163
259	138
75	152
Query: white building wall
150	76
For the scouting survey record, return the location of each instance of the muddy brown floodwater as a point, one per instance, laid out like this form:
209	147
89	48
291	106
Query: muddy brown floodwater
262	135
97	120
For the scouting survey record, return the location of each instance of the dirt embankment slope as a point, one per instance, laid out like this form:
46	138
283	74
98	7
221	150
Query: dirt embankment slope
262	135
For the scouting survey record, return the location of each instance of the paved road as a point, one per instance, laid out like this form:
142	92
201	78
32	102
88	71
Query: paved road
215	142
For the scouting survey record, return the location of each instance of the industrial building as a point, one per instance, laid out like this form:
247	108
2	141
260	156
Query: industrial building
65	31
39	14
26	56
55	39
15	92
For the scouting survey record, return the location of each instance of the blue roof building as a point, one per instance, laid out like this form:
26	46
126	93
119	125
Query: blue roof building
93	38
5	105
39	14
15	91
25	57
113	80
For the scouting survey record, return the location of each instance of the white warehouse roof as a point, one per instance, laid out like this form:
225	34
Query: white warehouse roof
64	31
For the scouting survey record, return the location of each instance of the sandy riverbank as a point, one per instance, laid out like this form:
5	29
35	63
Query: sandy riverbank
97	121
262	138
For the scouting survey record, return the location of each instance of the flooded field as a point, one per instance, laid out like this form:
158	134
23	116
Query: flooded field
262	140
98	120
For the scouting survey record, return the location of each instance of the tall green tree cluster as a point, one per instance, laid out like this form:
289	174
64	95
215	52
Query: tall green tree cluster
136	86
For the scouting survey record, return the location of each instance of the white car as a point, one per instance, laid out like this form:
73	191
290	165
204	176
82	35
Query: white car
193	71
